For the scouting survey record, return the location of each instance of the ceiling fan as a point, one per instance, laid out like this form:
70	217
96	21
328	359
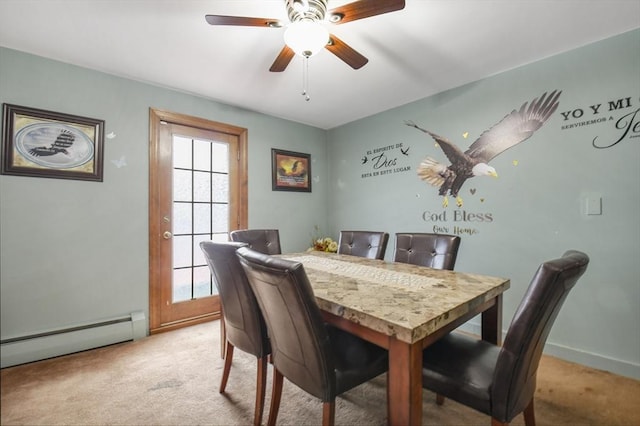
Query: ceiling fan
304	22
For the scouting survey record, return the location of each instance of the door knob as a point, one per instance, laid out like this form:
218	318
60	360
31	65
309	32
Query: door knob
167	235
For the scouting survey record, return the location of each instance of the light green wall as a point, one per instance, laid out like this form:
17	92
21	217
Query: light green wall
538	206
74	251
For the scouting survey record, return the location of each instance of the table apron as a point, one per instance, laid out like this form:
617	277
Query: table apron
491	311
359	330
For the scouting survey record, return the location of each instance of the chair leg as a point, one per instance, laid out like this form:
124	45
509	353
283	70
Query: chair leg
439	399
328	413
227	366
529	415
261	384
223	336
276	393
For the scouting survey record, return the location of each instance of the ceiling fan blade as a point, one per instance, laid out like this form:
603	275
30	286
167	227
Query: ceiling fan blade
243	21
284	57
345	52
363	9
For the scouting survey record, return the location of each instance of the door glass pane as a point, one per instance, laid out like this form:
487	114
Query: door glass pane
220	190
182	185
181	152
220	157
181	285
220	238
201	186
200	212
181	251
182	218
198	255
220	221
202	218
202	285
202	155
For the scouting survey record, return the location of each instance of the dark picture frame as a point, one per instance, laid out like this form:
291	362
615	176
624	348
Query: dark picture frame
291	171
50	144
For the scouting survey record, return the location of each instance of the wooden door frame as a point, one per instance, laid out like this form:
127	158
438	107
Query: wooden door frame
158	155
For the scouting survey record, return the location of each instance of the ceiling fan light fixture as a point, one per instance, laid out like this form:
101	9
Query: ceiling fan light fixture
334	18
301	6
306	38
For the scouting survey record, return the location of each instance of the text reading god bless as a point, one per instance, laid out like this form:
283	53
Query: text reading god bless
458	216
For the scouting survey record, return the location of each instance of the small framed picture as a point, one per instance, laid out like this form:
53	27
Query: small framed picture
50	144
291	171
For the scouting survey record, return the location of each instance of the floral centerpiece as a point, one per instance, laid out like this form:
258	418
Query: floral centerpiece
323	243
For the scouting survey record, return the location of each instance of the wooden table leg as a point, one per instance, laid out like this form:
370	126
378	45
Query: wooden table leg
404	383
492	322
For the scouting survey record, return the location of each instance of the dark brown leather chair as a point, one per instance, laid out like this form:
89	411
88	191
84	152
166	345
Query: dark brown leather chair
265	241
244	325
368	244
501	381
321	359
437	251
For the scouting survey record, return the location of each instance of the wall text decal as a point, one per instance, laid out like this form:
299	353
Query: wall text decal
619	112
385	160
460	220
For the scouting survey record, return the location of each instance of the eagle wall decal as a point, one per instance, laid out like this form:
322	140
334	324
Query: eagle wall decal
516	127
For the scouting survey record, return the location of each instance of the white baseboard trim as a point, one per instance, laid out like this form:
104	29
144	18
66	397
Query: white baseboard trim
81	337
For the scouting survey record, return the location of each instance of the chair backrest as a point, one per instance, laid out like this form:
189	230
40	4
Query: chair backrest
514	381
299	340
433	250
370	244
265	241
244	325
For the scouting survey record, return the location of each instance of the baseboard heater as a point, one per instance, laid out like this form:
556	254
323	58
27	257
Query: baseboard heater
52	343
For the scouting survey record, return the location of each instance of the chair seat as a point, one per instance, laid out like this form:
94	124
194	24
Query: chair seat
469	378
355	359
501	380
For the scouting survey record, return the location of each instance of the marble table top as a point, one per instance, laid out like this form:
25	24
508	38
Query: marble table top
396	299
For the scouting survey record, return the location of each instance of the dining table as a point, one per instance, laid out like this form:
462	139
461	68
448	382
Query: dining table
403	308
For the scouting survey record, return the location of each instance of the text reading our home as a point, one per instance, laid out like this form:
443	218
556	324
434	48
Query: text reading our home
459	217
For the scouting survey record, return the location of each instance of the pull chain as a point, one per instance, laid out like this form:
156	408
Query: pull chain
305	79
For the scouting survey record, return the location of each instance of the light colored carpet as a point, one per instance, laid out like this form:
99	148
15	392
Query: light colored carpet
173	379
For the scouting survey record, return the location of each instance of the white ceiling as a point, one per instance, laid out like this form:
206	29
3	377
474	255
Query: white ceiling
429	47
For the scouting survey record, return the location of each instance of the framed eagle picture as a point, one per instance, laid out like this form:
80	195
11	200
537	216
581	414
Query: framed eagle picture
49	144
291	171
